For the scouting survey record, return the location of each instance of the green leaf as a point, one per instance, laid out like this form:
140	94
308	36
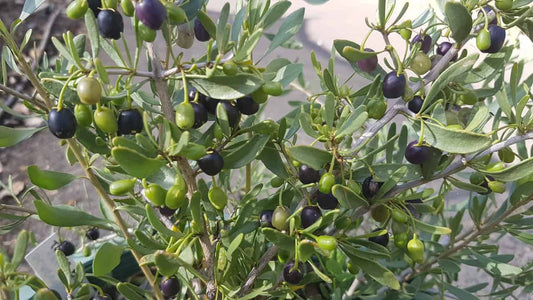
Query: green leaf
273	162
238	158
355	54
339	47
460	293
88	139
288	73
208	24
383	171
459	20
311	156
521	193
245	51
63	50
49	180
466	185
136	164
12	136
67	216
274	13
106	259
227	87
147	241
329	109
357	118
513	173
392	181
290	26
64	266
454	141
92	31
167	263
279	239
481	115
30	6
381	11
433	229
20	248
130	291
496	267
319	273
158	225
347	198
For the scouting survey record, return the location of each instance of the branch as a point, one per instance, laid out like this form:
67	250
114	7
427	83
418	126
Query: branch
263	262
18	208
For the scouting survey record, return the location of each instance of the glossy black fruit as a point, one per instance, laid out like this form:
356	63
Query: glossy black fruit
266	218
412	208
95	6
66	247
170	287
210	104
199	31
370	187
151	13
292	276
247	105
327	201
497	38
200	114
212	163
383	240
130	121
165	211
415	105
309	215
234	115
308	175
368	64
110	24
393	85
104	297
426	42
417	154
192	96
443	48
488	10
62	123
93	234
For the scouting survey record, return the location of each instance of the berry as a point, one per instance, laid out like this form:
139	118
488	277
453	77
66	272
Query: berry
110	24
234	116
146	33
89	90
415	105
199	31
309	215
95	6
62	123
104	118
200	114
496	186
415	247
393	85
420	63
497	38
176	14
368	64
443	48
247	105
210	104
185	115
46	294
326	242
66	247
177	195
399	216
93	234
127	7
370	187
426	42
77	9
308	175
121	187
483	40
217	197
151	13
165	211
230	68
130	121
417	154
327	181
506	155
156	194
376	108
383	239
412	208
327	201
266	218
504	4
279	218
170	287
292	276
212	163
260	96
272	88
83	115
185	36
380	213
193	93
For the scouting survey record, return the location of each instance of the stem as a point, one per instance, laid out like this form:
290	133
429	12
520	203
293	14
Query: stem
252	276
18	208
22	96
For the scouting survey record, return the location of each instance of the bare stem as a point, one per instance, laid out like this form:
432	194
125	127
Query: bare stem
263	262
18	209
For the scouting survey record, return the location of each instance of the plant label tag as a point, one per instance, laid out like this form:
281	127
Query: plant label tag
42	259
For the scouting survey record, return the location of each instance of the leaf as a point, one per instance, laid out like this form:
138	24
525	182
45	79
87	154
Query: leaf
287	74
433	229
273	162
167	263
12	136
208	24
274	13
130	291
383	171
106	259
381	12
466	185
64	266
136	164
92	31
49	180
30	6
460	293
67	216
357	118
290	26
238	158
513	173
454	141
354	54
158	225
347	198
20	248
245	51
279	239
339	47
311	156
478	119
459	20
329	109
227	87
496	267
522	193
319	273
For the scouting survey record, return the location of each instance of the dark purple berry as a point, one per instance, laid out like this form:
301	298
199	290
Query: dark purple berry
66	247
497	38
211	104
417	154
212	163
200	114
95	6
383	239
368	64
199	31
415	105
62	123
247	105
426	42
165	211
393	85
309	215
370	188
444	48
170	287
292	276
151	13
130	121
110	24
266	218
234	115
326	201
93	234
308	175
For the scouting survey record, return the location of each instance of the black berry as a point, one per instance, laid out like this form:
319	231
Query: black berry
292	276
199	31
92	234
266	218
368	64
200	114
308	175
383	239
211	104
95	6
165	211
309	215
247	105
417	154
151	13
326	201
443	48
66	247
415	105
393	85
110	24
234	115
62	123
426	42
170	287
497	38
212	163
130	121
370	187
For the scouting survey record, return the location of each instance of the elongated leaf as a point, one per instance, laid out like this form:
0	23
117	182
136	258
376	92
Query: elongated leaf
136	164
130	291
273	162
20	248
347	198
238	158
49	180
355	54
339	47
106	259
460	293
92	30
279	239
244	52
67	216
466	185
30	6
513	173
311	156
431	228
227	87
459	20
455	141
12	136
290	26
158	225
274	13
354	122
522	193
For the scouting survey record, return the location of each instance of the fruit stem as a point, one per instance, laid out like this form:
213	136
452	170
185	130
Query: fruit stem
185	89
63	89
362	48
486	19
421	138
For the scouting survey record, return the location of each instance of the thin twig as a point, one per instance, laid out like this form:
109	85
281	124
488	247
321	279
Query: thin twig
263	262
18	208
